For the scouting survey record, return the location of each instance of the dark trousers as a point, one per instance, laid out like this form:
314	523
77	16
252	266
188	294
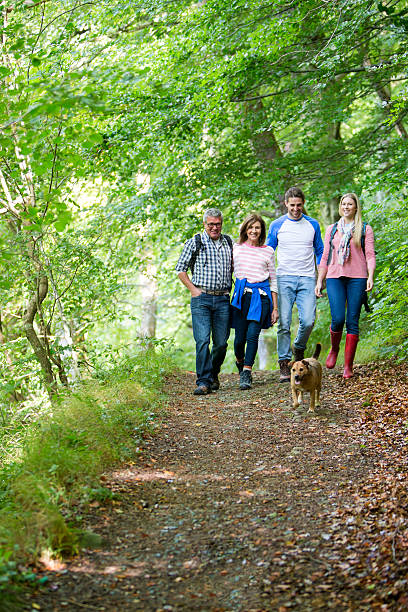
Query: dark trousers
247	332
345	292
210	316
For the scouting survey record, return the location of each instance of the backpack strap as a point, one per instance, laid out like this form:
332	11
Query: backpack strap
198	247
363	234
229	240
333	231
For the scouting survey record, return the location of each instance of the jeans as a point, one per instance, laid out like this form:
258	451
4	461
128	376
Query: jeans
291	289
247	332
346	291
210	315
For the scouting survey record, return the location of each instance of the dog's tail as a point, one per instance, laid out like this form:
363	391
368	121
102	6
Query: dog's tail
317	351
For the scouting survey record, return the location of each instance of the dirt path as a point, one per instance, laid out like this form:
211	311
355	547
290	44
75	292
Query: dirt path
238	504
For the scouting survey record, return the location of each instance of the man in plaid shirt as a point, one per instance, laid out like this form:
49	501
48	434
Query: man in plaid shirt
210	286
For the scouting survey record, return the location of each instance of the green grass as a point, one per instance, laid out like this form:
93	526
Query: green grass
59	457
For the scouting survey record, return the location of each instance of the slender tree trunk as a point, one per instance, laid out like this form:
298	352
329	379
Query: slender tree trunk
330	207
40	351
262	352
67	360
265	146
383	92
15	395
149	306
149	315
37	281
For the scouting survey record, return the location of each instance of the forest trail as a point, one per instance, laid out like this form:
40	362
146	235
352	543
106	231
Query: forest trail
240	503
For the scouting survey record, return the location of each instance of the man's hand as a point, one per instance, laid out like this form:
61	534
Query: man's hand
195	291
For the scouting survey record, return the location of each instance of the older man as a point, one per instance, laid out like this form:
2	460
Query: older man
209	257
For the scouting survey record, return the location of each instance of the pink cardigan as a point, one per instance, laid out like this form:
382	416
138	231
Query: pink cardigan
356	266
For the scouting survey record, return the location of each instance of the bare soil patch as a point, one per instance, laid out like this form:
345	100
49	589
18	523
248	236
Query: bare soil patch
240	503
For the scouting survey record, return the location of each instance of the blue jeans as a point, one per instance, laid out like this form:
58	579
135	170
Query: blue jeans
247	331
344	292
291	289
210	315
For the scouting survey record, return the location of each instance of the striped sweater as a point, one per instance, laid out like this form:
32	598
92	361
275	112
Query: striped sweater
256	264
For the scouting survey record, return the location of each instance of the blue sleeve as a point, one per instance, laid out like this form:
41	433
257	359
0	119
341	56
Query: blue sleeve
272	239
317	241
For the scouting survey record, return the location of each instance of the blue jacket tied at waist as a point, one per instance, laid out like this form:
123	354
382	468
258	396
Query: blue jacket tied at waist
255	308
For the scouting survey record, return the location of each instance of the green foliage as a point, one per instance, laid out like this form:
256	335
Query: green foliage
130	126
61	456
389	318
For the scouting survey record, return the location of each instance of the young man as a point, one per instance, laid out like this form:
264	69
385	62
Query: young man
209	255
298	240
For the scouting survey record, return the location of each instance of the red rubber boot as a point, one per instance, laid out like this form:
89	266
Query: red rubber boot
334	351
349	352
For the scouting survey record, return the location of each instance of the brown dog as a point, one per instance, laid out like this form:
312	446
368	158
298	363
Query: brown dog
306	375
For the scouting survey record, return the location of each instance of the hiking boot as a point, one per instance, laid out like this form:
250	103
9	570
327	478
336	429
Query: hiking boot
284	371
202	390
298	354
240	366
245	380
215	385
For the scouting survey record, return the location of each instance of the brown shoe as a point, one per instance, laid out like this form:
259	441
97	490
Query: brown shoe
215	385
202	390
298	354
284	371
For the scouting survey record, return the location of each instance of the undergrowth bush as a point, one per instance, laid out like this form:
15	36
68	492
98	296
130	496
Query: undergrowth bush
61	456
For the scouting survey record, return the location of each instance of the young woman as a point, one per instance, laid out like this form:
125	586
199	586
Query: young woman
255	299
348	262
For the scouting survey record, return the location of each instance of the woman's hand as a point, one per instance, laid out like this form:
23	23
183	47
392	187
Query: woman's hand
274	316
370	280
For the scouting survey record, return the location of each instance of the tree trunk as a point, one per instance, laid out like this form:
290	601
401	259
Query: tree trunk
149	307
385	96
38	347
36	278
265	146
15	395
330	208
262	352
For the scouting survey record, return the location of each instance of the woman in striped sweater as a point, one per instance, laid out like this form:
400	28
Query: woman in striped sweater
255	299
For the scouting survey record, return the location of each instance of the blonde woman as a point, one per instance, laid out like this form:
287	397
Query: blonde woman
348	263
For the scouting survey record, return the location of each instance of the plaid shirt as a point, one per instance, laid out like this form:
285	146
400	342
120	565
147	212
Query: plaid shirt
212	270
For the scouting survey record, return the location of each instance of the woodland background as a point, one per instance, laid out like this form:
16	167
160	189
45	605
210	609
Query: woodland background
120	122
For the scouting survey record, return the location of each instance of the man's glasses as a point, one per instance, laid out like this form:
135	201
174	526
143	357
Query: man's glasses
211	225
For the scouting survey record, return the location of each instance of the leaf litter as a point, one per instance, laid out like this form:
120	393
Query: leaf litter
239	503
